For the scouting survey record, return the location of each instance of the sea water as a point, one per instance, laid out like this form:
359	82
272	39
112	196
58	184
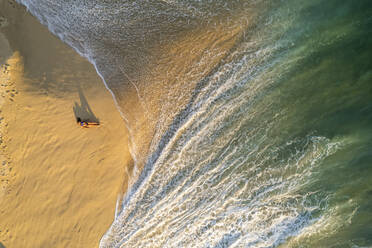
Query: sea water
250	121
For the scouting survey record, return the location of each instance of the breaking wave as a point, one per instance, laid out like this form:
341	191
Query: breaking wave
245	117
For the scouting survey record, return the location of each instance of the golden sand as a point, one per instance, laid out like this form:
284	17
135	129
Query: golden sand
58	182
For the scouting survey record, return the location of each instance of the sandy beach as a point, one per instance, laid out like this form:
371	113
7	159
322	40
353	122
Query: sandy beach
59	183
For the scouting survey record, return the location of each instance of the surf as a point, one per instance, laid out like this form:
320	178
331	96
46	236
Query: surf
236	110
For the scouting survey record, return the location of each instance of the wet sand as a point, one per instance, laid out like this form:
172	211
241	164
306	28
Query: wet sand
58	182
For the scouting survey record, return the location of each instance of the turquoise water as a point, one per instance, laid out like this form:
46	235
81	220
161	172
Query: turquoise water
250	121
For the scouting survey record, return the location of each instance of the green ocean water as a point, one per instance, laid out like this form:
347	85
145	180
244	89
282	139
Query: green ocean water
329	93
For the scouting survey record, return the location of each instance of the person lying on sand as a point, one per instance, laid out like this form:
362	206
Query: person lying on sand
86	124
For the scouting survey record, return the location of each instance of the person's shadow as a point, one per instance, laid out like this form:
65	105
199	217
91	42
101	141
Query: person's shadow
83	111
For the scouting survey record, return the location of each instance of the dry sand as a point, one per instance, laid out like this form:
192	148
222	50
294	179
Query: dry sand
58	182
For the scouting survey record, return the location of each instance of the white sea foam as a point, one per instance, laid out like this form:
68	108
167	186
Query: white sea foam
231	167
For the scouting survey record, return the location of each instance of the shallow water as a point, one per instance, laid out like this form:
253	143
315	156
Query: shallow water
250	121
